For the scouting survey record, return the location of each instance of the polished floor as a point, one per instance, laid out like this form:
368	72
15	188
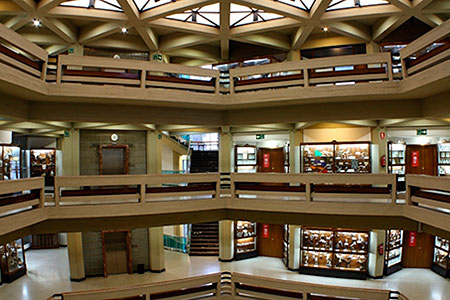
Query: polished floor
48	274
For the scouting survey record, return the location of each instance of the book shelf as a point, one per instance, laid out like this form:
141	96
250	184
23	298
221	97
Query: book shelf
394	251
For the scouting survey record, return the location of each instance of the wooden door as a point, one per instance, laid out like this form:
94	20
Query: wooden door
113	159
272	244
420	255
421	159
116	252
271	160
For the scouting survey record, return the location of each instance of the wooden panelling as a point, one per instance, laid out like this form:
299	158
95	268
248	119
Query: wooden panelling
274	160
427	159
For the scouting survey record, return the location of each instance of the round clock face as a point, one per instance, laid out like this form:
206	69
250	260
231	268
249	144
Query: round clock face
114	137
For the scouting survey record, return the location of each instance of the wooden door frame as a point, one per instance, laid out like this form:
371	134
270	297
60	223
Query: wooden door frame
128	249
111	146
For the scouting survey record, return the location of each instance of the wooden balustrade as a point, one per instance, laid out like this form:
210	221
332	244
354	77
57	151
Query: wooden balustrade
426	59
316	187
364	68
116	189
18	195
134	73
237	286
428	191
26	56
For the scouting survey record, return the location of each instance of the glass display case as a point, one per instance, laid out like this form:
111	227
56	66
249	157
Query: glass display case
43	163
245	159
352	158
336	157
10	162
317	158
396	163
286	245
444	159
12	260
394	250
441	259
334	252
245	240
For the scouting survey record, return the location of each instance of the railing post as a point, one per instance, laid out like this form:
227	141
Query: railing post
218	190
305	77
231	82
56	192
143	78
59	70
217	84
44	71
389	69
404	71
408	192
42	196
308	192
394	190
142	192
232	187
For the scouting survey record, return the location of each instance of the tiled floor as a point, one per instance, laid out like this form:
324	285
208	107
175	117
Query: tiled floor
48	273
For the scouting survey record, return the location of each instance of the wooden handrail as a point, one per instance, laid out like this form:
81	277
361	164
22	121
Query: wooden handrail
20	42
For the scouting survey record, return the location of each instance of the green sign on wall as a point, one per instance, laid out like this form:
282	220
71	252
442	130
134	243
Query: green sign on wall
422	132
260	136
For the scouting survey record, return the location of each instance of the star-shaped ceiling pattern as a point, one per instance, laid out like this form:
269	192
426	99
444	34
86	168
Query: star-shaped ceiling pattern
199	31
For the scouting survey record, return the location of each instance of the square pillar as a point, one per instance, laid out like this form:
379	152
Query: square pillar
225	150
70	149
226	240
154	152
295	139
76	256
156	249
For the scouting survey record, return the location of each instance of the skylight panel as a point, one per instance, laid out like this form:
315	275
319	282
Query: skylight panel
143	5
242	15
302	4
98	4
207	15
76	3
342	4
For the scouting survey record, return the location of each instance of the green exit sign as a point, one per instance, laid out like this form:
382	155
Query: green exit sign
421	132
260	136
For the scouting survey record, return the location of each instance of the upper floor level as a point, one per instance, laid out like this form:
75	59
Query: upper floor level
40	85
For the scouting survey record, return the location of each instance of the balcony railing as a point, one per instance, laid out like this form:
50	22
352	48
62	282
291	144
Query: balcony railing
229	285
19	56
23	205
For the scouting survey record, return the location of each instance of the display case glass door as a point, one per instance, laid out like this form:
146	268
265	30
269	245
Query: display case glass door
396	163
444	159
10	164
286	245
12	260
245	159
245	240
394	251
441	257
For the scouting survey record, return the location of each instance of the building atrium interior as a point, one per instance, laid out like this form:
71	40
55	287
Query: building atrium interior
212	149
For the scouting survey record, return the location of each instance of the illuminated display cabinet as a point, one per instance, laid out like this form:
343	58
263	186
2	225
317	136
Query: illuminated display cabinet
334	252
336	157
441	259
394	251
245	240
12	260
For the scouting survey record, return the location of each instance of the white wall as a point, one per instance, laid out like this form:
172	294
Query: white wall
5	137
167	158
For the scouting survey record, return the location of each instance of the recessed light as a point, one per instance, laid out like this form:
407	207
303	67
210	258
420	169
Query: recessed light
36	23
124	30
325	28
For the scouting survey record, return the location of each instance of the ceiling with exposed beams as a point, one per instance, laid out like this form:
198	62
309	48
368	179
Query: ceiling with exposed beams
199	32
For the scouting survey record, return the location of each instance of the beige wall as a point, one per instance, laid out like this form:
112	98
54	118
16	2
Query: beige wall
317	135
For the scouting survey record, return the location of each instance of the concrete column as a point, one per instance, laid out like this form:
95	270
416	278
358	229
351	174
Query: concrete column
379	148
295	138
76	257
154	152
156	249
293	55
376	261
70	148
372	47
294	247
226	240
225	150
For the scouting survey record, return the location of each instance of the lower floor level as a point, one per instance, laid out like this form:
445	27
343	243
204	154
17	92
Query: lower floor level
48	273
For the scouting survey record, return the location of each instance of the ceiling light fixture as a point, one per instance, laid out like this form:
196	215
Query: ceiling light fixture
36	23
124	30
325	28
